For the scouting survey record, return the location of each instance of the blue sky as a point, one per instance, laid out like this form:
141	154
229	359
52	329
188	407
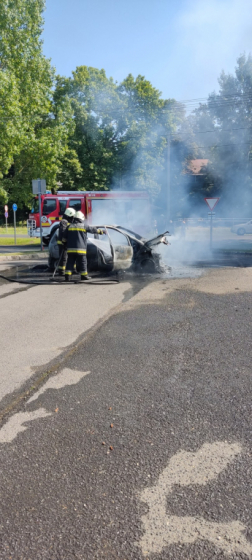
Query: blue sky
180	46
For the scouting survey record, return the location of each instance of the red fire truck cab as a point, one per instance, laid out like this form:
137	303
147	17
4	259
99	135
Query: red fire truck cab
125	208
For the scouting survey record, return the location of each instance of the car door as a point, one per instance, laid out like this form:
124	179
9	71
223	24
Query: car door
121	249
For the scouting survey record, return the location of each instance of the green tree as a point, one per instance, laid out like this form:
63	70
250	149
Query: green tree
25	75
146	123
120	133
96	105
11	131
33	139
228	114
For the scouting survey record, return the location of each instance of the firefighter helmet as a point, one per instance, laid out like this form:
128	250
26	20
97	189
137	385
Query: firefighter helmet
79	215
70	212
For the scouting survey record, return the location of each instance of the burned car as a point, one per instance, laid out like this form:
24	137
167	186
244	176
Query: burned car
119	249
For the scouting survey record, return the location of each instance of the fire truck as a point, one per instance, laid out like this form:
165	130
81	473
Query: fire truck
125	208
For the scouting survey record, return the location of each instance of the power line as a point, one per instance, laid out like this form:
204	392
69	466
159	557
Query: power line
222	145
125	139
202	99
213	130
179	133
219	102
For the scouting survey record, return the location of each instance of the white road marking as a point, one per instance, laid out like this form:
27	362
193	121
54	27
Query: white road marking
62	379
34	344
185	469
15	424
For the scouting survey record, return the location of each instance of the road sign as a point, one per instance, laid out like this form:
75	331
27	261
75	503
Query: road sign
38	186
211	202
6	208
14	207
6	214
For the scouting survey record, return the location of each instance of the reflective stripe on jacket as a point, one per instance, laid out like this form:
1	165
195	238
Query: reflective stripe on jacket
75	236
62	228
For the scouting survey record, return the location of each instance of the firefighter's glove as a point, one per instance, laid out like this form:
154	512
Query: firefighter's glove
101	232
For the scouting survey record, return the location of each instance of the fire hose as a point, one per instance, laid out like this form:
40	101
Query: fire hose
52	282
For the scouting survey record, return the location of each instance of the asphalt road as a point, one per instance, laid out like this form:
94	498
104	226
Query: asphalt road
139	445
40	323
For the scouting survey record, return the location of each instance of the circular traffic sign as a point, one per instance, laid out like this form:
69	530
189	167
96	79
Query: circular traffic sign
14	207
6	208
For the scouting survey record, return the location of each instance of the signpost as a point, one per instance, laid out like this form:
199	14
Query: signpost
39	187
211	202
14	208
6	216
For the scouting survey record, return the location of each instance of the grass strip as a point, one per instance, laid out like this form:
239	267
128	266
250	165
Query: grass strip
9	241
21	230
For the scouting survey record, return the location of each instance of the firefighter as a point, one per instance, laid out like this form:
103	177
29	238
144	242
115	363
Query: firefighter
66	220
75	237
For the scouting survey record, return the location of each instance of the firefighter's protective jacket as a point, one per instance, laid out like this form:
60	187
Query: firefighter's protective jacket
62	228
75	236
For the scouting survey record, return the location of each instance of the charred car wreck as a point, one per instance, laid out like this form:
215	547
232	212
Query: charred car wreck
122	249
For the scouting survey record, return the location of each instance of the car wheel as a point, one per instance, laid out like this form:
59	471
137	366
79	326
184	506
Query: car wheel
241	231
148	265
52	263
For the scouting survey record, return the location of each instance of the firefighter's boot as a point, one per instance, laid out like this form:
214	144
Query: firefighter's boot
84	278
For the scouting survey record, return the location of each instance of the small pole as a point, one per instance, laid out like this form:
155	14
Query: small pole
15	233
168	179
211	232
40	213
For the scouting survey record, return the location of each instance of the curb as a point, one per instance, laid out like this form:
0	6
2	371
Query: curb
23	257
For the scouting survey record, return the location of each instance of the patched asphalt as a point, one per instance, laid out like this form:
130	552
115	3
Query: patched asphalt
164	377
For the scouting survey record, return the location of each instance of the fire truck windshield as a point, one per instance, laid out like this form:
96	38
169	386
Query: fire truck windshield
49	206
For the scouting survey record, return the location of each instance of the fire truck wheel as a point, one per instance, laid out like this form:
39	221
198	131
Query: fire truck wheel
46	240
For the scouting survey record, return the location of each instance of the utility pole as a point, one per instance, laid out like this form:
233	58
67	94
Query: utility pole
168	199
